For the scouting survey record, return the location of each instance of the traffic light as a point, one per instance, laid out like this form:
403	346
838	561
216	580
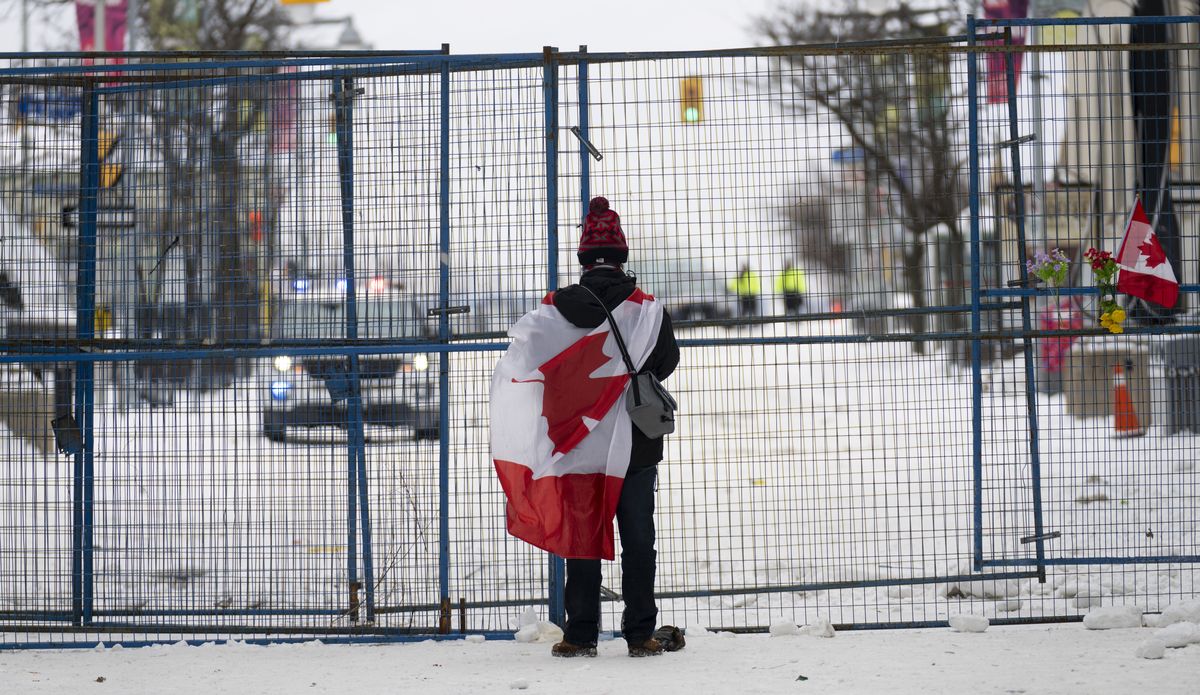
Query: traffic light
691	100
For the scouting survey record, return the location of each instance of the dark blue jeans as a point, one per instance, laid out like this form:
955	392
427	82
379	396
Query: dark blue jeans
635	521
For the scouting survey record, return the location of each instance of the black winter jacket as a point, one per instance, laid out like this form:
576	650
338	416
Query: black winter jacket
613	287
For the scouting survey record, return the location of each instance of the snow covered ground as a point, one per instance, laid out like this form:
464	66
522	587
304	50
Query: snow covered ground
1004	660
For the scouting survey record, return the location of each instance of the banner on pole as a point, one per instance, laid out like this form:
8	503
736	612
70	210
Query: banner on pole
996	76
115	14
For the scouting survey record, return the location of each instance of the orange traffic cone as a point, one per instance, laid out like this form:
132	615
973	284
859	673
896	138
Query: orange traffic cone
1125	419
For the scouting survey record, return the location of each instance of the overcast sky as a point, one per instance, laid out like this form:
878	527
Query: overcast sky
488	26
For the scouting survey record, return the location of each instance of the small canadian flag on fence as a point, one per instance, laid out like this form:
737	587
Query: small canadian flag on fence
1145	269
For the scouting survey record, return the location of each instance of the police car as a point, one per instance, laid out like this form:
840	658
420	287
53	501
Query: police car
305	396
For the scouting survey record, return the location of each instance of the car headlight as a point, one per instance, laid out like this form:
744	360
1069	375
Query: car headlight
283	363
280	389
420	363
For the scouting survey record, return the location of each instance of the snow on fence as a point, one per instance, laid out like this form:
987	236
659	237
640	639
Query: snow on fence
251	306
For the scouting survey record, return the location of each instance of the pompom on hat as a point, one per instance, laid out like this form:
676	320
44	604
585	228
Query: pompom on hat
602	240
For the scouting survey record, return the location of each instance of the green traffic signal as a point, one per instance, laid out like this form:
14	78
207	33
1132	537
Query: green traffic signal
691	99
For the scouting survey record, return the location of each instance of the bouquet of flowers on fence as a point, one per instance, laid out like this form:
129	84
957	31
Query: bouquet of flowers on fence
1105	268
1050	268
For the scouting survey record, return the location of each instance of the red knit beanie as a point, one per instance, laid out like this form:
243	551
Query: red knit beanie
602	240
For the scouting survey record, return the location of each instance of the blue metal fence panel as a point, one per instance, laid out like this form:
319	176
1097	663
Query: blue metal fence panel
249	251
1081	200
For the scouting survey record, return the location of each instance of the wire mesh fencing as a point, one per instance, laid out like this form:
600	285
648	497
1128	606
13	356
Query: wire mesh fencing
1093	118
252	307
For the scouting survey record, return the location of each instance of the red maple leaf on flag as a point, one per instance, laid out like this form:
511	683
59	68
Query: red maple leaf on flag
570	394
1153	252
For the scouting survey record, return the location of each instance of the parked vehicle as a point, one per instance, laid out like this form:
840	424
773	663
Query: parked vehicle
309	392
688	290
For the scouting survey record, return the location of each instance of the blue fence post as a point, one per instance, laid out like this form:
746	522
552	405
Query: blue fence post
343	95
585	161
83	510
976	345
1026	323
444	337
558	569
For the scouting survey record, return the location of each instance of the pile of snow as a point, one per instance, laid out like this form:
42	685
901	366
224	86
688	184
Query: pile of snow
1182	612
1085	594
1113	617
1178	626
1151	649
534	630
966	622
1178	635
782	626
994	589
820	628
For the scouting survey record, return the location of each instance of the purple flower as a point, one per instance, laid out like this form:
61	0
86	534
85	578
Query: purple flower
1049	267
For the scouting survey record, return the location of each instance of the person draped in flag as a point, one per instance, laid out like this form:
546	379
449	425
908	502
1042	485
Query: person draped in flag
567	455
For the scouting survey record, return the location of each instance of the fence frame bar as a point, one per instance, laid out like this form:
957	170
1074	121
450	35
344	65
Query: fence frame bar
557	565
976	300
1035	456
83	503
343	95
444	328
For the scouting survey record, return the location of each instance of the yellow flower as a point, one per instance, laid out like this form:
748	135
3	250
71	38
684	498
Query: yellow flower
1106	316
1117	328
1118	315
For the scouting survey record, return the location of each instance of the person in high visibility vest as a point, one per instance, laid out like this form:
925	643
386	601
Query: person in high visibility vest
747	287
792	286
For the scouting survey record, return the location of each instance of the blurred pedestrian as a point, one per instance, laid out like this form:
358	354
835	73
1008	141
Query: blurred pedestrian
792	286
747	287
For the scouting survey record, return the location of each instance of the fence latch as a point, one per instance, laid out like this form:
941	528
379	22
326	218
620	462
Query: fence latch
1044	537
438	311
1016	141
347	94
587	143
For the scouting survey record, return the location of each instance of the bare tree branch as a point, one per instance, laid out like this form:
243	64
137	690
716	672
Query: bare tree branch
893	108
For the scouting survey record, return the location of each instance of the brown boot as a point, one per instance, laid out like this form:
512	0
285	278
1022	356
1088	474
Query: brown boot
649	647
567	650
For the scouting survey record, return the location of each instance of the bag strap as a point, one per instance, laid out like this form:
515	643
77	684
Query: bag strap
637	392
616	333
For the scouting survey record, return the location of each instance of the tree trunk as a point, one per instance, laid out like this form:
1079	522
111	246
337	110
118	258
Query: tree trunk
914	281
236	296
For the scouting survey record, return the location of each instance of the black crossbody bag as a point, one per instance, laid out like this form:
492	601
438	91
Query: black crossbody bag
651	407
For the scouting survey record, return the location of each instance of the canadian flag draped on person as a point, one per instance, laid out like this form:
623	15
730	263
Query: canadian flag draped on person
561	438
1145	269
